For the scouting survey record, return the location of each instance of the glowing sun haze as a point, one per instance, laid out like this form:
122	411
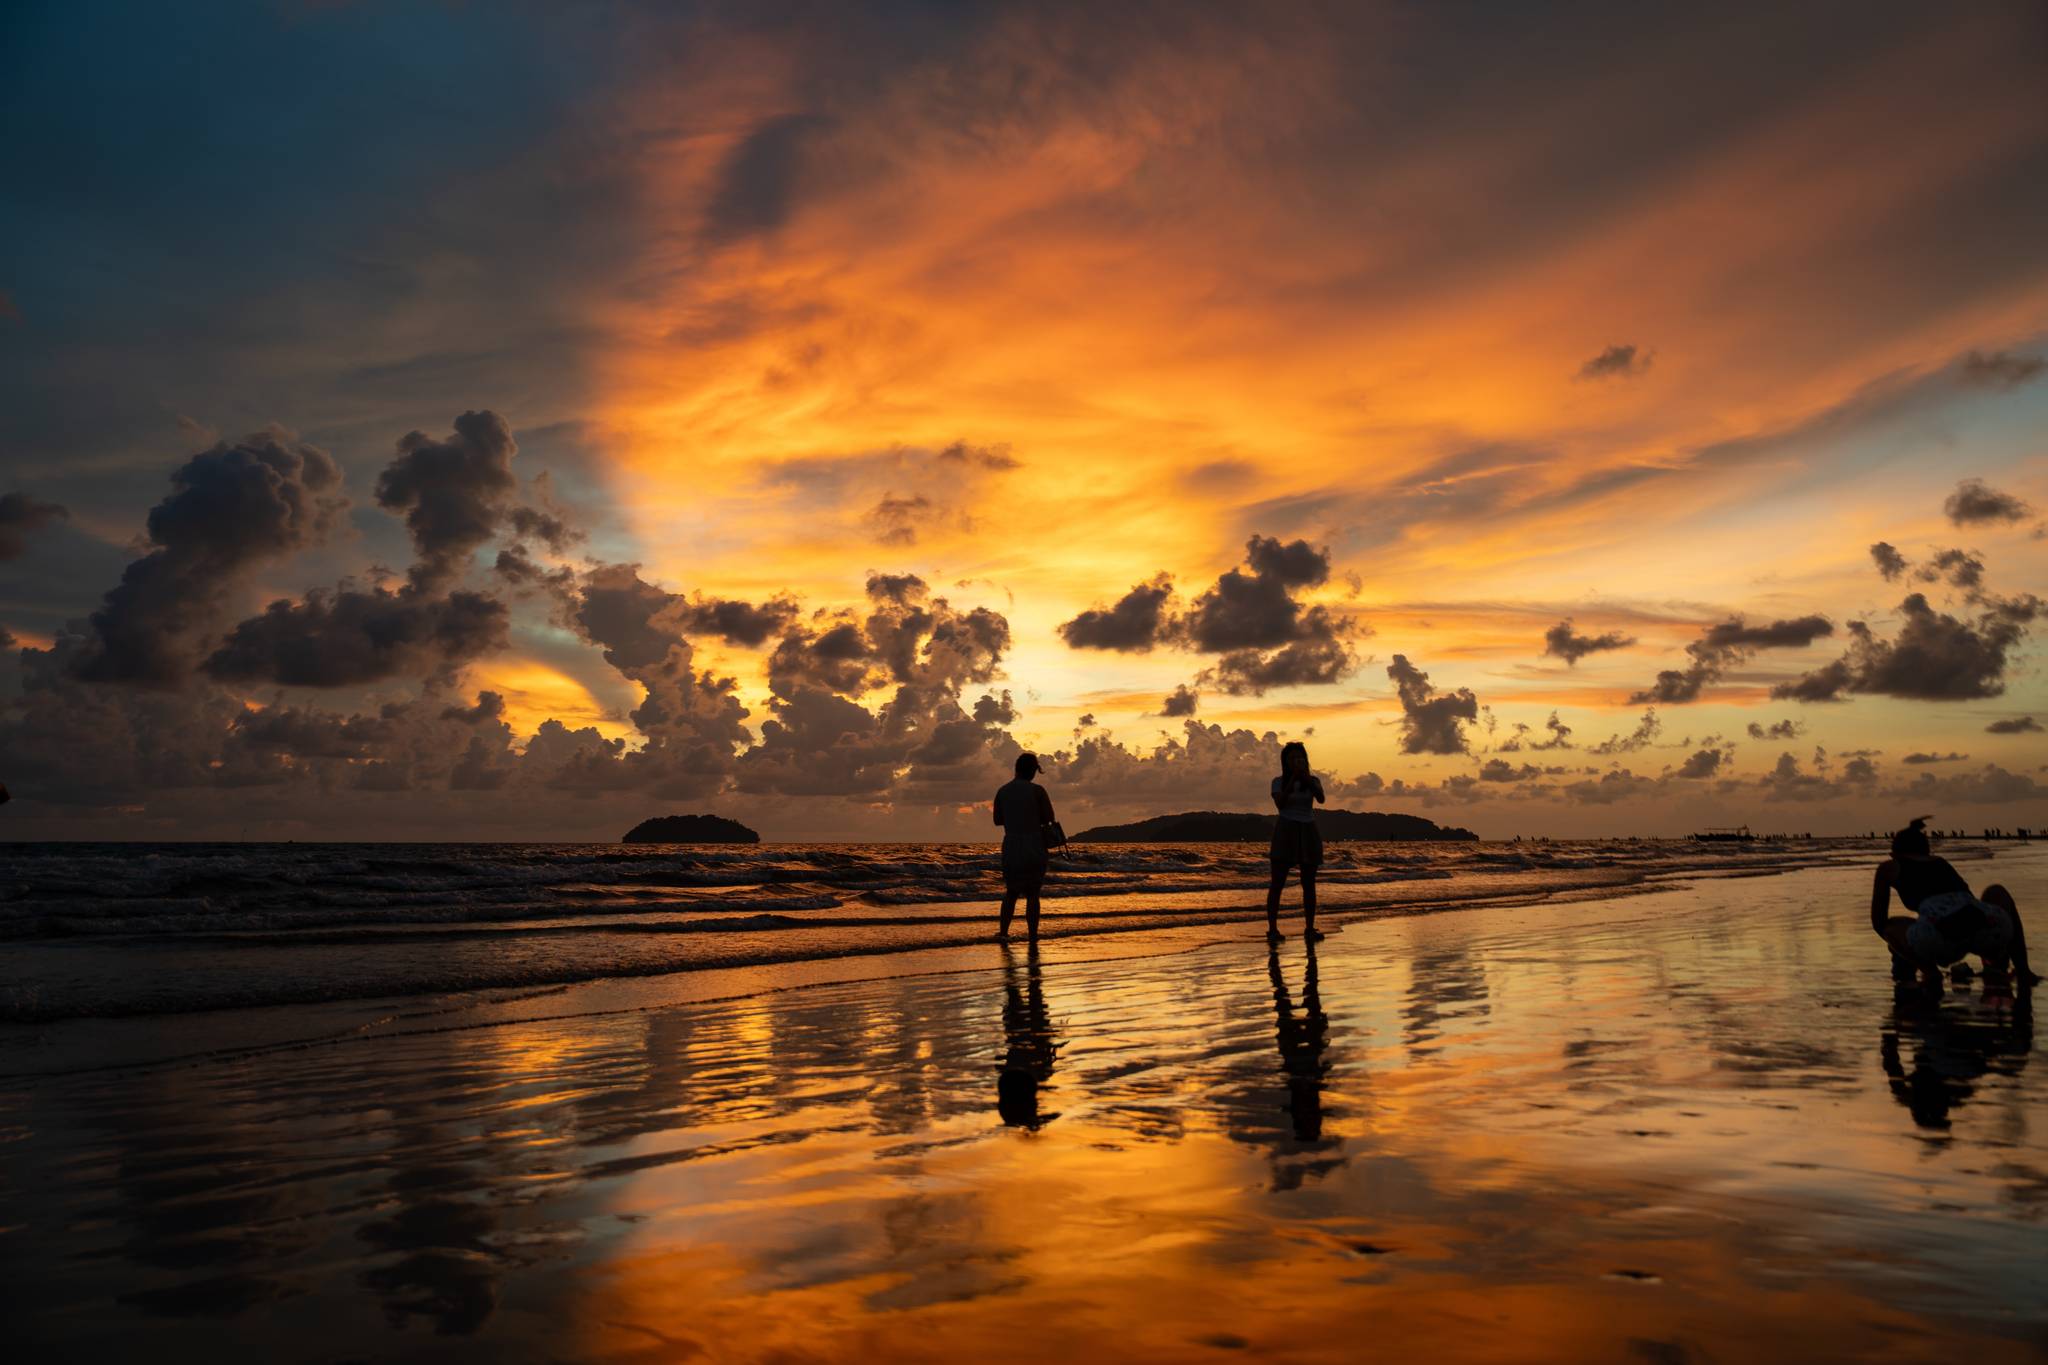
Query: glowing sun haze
1575	419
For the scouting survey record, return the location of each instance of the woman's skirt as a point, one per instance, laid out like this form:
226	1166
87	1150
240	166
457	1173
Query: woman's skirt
1297	843
1954	924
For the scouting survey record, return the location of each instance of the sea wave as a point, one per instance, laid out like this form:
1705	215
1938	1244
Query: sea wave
107	929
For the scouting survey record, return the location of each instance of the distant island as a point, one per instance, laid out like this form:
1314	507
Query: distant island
1221	827
690	829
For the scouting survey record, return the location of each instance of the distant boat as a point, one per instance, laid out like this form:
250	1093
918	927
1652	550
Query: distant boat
1724	834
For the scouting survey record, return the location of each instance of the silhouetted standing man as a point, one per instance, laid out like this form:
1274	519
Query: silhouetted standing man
1023	810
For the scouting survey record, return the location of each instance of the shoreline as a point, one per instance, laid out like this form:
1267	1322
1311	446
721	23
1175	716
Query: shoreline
143	1039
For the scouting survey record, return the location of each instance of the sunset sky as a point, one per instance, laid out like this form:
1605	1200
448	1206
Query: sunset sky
507	420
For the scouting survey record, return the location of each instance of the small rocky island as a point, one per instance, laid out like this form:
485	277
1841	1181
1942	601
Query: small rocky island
1224	827
690	829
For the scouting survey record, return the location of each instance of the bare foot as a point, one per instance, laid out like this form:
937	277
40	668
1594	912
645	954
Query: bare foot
1313	937
1002	935
1274	936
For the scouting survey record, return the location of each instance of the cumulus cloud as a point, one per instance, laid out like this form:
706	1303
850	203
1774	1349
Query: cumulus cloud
349	637
918	740
453	492
1936	656
1975	502
19	515
1565	643
1703	763
1889	561
1724	645
1182	701
1559	736
1641	737
1989	785
2014	725
1139	621
231	507
1251	617
1610	788
1617	362
1787	728
1432	722
1923	758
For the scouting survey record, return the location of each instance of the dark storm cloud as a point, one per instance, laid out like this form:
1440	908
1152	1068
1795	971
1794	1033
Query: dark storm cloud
454	492
1781	729
758	182
1432	722
2014	725
1564	643
1999	370
1137	622
1889	561
1724	645
1935	656
350	637
1920	758
21	514
1182	701
1975	502
231	508
1616	362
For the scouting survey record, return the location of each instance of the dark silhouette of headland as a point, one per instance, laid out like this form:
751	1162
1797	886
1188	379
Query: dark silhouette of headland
690	829
1223	827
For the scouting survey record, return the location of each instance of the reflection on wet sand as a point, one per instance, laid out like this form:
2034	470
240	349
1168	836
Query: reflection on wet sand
1607	1131
1952	1049
1029	1043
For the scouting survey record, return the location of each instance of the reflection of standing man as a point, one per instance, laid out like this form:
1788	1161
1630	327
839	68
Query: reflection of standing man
1027	1031
1302	1041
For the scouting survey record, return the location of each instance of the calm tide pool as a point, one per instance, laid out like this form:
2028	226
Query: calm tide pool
1687	1125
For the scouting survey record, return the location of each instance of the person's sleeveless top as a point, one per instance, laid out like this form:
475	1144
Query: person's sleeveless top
1919	878
1023	805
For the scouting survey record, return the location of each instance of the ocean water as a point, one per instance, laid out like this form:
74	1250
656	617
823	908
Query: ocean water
109	930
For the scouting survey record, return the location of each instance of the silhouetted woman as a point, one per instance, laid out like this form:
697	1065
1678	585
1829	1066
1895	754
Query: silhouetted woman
1296	840
1948	922
1023	810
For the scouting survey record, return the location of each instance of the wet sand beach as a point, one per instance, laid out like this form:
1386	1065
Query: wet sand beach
1694	1124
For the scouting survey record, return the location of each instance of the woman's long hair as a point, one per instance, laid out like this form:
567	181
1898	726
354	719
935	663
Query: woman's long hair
1291	749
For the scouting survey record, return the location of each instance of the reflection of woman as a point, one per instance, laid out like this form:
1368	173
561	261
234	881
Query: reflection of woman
1301	1041
1023	810
1296	840
1948	922
1028	1037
